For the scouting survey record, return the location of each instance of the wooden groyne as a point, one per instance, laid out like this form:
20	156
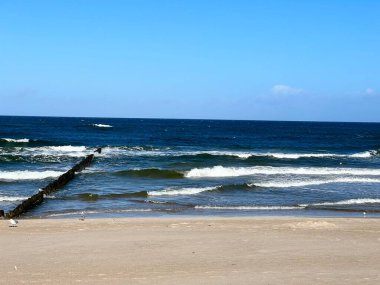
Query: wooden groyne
52	187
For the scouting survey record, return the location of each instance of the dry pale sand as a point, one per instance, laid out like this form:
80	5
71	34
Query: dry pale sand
191	251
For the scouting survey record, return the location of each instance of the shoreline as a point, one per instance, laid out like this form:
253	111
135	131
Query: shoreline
191	250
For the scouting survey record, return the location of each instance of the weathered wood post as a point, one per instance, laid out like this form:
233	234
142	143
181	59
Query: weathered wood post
61	181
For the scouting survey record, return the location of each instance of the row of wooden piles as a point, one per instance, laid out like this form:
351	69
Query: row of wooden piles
52	187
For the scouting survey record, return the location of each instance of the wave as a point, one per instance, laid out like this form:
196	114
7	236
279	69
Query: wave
182	191
65	150
116	151
15	140
12	198
194	190
28	175
365	154
270	208
277	155
314	206
55	151
95	197
246	155
359	201
102	126
285	184
242	155
221	171
151	173
156	151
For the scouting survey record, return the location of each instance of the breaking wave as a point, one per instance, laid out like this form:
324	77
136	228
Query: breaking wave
37	149
365	154
150	151
221	171
12	198
270	208
359	201
285	184
194	190
28	175
15	140
51	151
182	191
314	206
102	126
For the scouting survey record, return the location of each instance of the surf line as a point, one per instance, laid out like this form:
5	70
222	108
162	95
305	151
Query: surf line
52	187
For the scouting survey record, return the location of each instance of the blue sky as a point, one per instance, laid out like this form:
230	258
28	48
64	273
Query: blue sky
258	60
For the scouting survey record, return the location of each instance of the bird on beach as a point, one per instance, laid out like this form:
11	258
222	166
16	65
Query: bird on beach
82	217
13	223
364	213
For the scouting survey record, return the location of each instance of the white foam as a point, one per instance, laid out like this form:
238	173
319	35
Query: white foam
285	184
364	154
245	155
270	208
16	140
131	151
182	191
27	175
55	151
65	148
300	155
221	171
12	198
102	126
347	202
143	151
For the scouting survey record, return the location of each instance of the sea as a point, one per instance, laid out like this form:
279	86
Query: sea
174	167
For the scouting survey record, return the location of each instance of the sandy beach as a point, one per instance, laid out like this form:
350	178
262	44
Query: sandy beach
191	251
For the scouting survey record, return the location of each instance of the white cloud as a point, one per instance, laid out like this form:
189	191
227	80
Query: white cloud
286	90
369	91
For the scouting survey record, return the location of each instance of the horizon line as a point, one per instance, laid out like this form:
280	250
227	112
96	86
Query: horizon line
191	119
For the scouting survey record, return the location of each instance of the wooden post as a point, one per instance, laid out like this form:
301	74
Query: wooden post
61	181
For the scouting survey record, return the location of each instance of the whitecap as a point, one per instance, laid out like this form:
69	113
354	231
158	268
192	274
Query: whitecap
12	198
181	191
245	208
28	175
364	154
102	126
54	151
221	171
16	140
286	183
358	201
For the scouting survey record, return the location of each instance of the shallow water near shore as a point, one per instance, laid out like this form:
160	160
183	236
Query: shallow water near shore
154	167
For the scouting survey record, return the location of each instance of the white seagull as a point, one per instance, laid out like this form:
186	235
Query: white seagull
13	223
83	216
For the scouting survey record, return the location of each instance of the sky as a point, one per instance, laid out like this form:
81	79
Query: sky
208	59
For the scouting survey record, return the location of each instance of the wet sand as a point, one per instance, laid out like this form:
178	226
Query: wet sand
191	251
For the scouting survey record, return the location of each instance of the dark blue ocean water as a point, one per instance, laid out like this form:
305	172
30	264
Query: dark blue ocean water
154	167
